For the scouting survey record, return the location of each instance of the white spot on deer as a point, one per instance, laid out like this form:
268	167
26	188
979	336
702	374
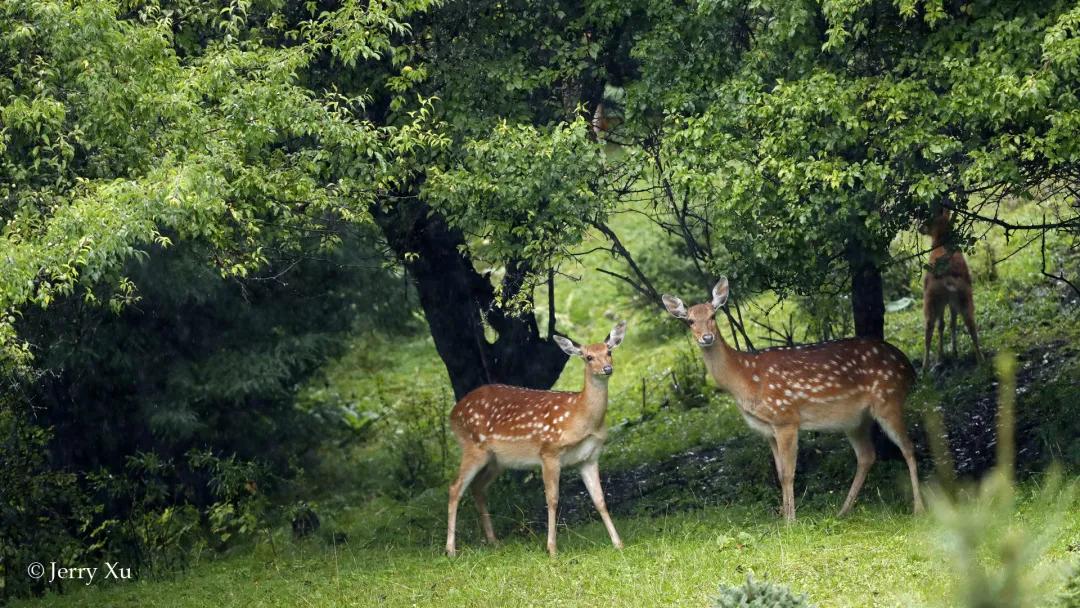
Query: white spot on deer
755	378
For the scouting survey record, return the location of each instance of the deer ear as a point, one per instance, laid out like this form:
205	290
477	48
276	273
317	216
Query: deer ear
616	336
675	306
567	346
720	293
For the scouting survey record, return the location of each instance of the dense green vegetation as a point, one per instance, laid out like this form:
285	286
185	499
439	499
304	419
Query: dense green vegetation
252	250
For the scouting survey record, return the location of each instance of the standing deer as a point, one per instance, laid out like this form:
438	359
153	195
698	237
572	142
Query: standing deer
947	283
842	385
501	426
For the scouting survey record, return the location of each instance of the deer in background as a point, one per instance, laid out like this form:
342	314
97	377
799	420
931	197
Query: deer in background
501	426
947	283
842	385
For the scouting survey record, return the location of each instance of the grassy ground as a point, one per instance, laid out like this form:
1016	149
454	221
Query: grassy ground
879	557
382	547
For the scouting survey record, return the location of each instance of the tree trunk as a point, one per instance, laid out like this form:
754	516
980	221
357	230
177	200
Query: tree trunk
867	294
457	300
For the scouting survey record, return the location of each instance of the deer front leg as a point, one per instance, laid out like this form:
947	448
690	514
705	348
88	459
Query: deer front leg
590	474
941	336
787	446
551	470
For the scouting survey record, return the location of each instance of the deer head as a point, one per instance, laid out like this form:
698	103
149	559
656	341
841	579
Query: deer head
701	318
597	356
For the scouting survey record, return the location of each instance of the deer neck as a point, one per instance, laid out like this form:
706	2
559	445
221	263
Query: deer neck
939	239
593	397
728	368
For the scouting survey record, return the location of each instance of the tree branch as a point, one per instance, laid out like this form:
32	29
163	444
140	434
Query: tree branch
1060	277
645	287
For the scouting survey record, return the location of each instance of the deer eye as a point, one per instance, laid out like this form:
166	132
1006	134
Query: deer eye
589	358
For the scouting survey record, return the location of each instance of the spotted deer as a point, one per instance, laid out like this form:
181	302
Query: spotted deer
947	284
501	426
842	385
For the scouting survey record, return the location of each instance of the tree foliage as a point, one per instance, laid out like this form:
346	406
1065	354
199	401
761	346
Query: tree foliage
117	129
831	127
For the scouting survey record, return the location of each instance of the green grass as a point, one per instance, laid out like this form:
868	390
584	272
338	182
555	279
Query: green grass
878	557
679	548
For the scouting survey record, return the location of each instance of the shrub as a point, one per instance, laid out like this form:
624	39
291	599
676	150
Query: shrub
1070	595
758	594
41	506
415	434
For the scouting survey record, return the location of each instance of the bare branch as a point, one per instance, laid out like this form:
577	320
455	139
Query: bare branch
643	284
1060	277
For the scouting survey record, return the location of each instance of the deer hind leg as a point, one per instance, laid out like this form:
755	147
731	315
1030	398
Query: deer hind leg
590	474
776	458
968	312
551	470
952	323
931	311
479	491
865	456
787	447
472	460
891	419
929	338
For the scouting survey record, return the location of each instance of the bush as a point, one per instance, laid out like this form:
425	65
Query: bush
414	434
1070	595
135	516
41	507
758	594
150	433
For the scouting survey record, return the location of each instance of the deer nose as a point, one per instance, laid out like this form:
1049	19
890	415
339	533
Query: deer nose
707	340
608	369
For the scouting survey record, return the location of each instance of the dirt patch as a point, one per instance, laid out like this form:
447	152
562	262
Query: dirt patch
971	422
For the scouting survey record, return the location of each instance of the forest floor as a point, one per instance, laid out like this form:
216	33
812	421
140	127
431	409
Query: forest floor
691	489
